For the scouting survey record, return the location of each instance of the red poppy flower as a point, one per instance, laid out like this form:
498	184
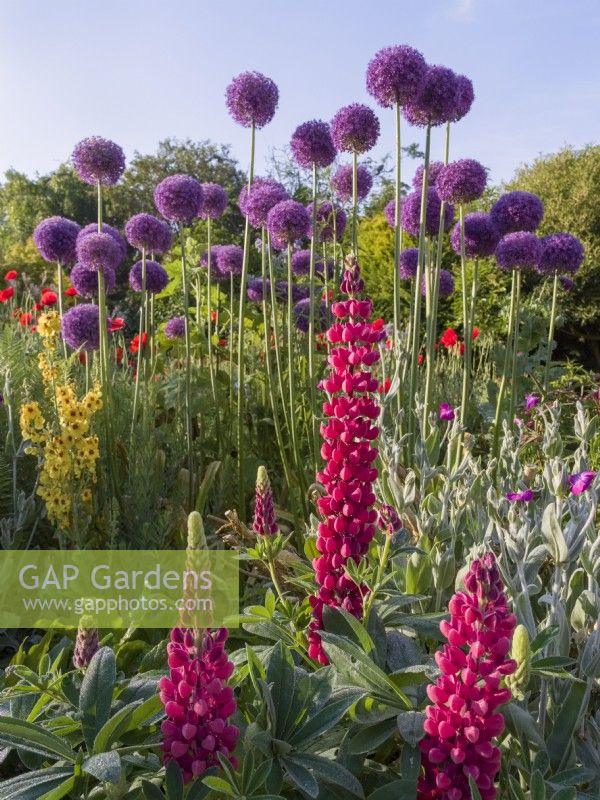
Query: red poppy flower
420	358
6	294
327	295
119	355
49	298
449	338
389	343
71	292
213	316
222	342
462	348
34	328
25	319
474	332
38	306
82	357
116	324
134	346
377	324
384	387
11	275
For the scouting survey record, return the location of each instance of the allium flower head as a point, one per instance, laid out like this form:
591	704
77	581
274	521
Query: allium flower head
561	252
464	97
179	198
566	283
98	251
481	236
93	228
264	194
175	328
446	284
252	99
341	182
80	327
355	128
85	280
311	143
98	160
301	262
461	181
409	261
436	101
517	211
395	74
55	239
156	277
410	213
302	315
230	258
519	250
435	167
145	232
463	720
214	201
390	213
581	481
215	272
282	291
288	221
258	289
330	220
264	522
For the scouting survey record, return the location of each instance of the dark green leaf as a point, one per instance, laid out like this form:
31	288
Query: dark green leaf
300	776
370	737
537	787
95	698
106	767
151	792
474	790
325	719
281	679
410	725
33	785
543	638
174	781
219	785
560	741
396	790
34	739
331	772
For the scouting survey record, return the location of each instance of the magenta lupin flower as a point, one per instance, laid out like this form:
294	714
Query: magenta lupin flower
580	482
530	401
86	644
264	522
311	143
463	720
252	99
198	702
98	160
348	517
355	128
395	74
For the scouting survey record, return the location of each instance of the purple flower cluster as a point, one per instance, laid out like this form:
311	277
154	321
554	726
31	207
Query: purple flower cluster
435	103
55	238
463	99
282	291
580	482
85	280
388	519
446	413
302	314
98	251
288	221
156	277
517	211
175	328
561	252
214	201
463	719
256	204
410	213
146	232
230	259
98	160
80	327
461	181
481	236
301	262
446	284
86	646
264	522
258	289
409	262
435	167
252	99
215	272
179	198
341	182
519	250
355	128
198	702
311	143
93	228
395	74
330	220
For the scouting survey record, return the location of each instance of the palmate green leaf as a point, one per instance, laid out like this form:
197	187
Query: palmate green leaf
561	739
34	739
95	698
281	679
543	638
34	785
326	718
220	785
331	772
344	624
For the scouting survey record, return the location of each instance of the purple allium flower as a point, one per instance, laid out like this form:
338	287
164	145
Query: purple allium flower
409	261
198	702
341	182
461	181
464	97
517	211
156	277
98	160
436	100
86	646
298	292
215	272
311	143
463	720
252	99
520	497
257	288
302	313
355	128
230	258
55	239
288	221
390	212
435	167
388	519
214	201
446	412
264	522
175	328
410	213
325	270
519	250
395	74
581	481
566	283
80	327
93	228
301	262
561	252
446	284
179	198
530	401
325	221
98	251
145	232
264	194
85	280
481	236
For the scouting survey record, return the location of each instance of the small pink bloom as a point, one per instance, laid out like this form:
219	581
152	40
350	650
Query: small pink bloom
520	497
531	401
581	481
446	412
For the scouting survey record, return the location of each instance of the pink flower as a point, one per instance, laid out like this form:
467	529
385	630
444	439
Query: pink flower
446	412
264	523
348	518
530	401
463	720
520	497
197	702
581	481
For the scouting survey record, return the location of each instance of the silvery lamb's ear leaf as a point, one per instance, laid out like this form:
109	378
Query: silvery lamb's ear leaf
553	535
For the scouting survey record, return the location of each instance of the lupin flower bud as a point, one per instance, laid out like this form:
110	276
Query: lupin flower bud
264	523
463	720
86	643
521	655
196	538
198	702
388	519
347	515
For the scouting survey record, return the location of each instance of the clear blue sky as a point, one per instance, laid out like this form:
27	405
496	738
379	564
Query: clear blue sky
137	71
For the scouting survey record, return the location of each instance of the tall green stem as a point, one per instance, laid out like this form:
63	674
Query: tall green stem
397	228
311	323
551	332
291	365
211	366
276	338
514	388
188	370
354	203
502	389
241	354
59	286
140	352
467	322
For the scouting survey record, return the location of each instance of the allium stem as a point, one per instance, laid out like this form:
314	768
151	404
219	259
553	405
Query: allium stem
467	322
211	367
59	283
551	333
140	353
354	202
241	354
188	369
311	321
276	339
230	338
514	386
291	362
502	389
397	228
